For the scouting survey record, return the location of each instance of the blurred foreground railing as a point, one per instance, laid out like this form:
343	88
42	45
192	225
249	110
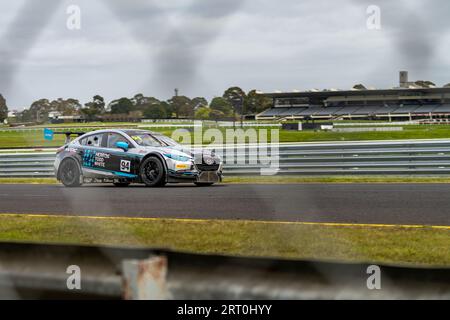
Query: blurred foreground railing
40	271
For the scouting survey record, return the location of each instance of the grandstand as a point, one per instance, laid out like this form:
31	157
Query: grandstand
411	100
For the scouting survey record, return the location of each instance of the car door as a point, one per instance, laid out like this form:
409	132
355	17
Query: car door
121	163
93	159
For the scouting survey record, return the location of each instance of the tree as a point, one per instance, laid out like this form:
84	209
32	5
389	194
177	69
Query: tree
425	84
121	106
138	99
202	113
25	116
182	106
199	102
216	115
359	87
67	107
141	102
236	97
3	109
222	105
155	111
99	103
256	102
39	110
169	109
94	108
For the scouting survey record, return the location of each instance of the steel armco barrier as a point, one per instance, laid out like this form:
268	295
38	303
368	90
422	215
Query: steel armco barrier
407	157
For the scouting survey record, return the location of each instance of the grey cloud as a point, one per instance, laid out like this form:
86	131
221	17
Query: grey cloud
22	34
175	50
411	26
180	55
214	8
201	46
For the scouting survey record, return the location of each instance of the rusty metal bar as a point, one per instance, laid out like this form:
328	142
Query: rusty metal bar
145	279
40	271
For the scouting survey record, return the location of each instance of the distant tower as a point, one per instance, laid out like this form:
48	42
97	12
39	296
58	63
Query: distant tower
403	79
176	92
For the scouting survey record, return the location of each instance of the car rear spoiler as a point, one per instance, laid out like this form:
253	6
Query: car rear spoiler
48	134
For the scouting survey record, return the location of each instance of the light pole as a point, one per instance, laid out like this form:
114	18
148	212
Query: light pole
238	101
242	111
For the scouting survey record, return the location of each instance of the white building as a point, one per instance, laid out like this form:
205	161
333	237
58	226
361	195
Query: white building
54	114
12	113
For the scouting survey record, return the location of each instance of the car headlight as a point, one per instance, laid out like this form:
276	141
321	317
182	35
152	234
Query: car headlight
177	157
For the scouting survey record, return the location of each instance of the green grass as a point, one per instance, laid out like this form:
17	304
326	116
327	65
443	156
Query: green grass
35	138
26	138
409	132
388	245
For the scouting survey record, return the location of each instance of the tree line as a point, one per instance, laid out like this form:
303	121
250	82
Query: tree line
234	103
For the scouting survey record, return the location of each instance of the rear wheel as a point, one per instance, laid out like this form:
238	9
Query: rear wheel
152	172
70	173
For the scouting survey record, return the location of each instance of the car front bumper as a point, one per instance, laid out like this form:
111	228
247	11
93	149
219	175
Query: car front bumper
195	176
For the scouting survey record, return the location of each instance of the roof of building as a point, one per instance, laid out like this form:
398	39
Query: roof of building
326	94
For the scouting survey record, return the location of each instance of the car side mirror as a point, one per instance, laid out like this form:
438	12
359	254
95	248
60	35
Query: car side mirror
122	145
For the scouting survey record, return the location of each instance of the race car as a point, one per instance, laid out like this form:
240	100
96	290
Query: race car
132	156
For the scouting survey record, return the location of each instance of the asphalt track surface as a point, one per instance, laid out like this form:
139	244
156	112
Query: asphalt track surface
411	204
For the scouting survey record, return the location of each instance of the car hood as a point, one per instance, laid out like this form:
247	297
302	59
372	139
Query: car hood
192	152
182	151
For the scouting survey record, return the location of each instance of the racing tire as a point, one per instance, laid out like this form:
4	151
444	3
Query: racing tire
69	173
203	184
152	172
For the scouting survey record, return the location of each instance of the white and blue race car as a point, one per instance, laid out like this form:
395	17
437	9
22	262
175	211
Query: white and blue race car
133	156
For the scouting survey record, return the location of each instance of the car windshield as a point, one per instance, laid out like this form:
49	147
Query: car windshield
145	139
166	140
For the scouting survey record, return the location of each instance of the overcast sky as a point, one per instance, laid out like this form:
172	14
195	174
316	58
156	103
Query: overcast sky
204	46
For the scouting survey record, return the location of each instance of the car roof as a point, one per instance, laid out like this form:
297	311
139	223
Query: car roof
138	131
123	131
120	131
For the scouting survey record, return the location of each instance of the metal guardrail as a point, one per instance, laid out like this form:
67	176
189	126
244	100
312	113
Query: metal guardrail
41	271
379	157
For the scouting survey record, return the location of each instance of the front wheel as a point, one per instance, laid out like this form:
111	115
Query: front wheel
70	174
152	172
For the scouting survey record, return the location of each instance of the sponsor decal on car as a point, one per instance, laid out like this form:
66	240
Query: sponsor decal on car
182	166
95	159
125	165
100	158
